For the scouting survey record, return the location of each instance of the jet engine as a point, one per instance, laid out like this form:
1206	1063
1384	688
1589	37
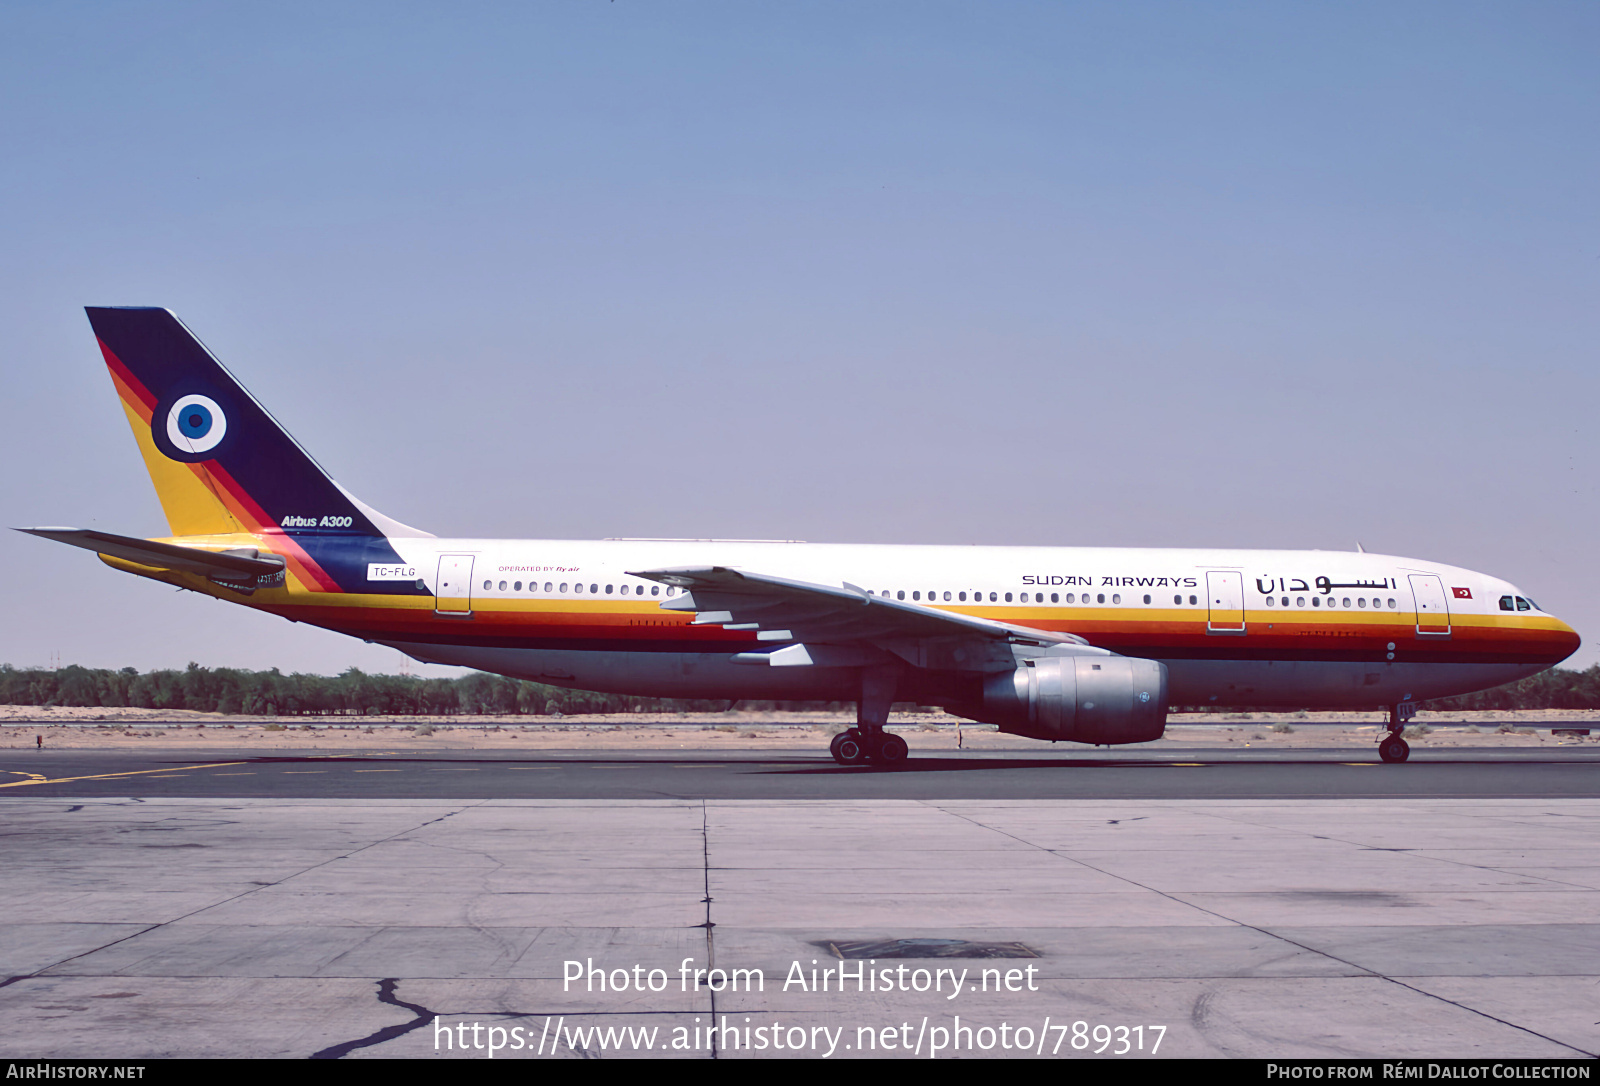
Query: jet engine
1085	699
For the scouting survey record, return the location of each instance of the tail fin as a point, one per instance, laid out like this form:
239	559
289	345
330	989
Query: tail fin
220	463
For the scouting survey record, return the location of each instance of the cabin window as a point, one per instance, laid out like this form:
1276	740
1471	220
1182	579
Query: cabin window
1362	602
1346	602
1100	598
1299	601
1316	601
1008	597
961	596
1117	598
655	590
947	597
1147	599
1055	597
1271	601
517	587
563	587
1391	604
578	588
1178	600
672	591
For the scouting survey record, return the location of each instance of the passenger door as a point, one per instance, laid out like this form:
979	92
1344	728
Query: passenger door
1433	607
1225	601
453	592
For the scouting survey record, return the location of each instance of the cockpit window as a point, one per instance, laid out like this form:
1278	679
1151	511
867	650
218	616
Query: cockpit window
1507	603
1522	604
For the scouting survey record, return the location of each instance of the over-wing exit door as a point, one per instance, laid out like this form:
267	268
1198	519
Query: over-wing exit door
453	596
1225	600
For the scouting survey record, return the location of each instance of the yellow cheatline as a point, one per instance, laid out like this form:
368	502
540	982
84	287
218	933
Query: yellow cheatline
1188	763
22	773
107	776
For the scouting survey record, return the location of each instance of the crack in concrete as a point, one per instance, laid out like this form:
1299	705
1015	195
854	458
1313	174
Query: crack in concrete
386	994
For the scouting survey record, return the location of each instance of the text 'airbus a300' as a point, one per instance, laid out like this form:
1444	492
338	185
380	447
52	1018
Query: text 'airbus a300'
1087	645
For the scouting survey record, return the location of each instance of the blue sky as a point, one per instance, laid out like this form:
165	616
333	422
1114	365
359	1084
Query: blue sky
1262	275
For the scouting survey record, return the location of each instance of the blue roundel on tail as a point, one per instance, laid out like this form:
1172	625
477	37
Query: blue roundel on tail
195	425
194	421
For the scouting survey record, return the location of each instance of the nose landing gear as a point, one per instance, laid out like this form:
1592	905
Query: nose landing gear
1393	748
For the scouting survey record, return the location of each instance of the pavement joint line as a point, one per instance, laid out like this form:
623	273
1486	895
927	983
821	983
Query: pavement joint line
710	925
1295	943
108	776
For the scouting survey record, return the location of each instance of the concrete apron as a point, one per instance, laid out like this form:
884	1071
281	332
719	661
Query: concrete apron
537	929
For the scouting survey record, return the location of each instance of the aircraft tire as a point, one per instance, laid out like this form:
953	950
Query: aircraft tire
1394	749
892	750
848	749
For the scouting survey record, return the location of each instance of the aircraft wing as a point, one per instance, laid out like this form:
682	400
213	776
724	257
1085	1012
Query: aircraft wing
783	611
235	565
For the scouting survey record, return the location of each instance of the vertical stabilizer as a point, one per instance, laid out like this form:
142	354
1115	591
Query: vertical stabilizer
219	461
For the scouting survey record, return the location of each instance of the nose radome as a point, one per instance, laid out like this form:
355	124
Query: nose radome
1566	638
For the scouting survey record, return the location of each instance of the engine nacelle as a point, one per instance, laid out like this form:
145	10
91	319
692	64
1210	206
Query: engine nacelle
1085	699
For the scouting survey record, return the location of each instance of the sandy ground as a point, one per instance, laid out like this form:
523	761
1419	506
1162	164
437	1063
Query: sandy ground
78	728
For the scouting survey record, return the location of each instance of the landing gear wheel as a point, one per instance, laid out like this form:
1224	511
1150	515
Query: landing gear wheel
892	750
848	749
1394	749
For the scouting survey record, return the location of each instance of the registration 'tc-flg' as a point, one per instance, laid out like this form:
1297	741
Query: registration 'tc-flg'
1079	644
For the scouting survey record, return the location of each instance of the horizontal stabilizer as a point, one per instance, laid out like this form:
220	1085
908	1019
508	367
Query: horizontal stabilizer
231	565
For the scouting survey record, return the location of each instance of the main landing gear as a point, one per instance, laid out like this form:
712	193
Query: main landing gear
858	747
1393	748
868	741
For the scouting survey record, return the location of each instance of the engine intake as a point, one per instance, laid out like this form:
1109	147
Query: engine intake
1085	699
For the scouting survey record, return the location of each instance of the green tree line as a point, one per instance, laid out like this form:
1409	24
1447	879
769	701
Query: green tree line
354	693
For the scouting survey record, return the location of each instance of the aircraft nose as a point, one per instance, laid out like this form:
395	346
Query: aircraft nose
1564	639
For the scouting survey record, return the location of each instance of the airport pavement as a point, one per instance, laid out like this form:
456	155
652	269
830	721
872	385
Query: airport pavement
141	927
634	771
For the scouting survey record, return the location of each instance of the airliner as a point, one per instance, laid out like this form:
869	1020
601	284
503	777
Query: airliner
1088	645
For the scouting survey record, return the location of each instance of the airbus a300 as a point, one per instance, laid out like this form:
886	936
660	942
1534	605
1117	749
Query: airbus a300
1079	644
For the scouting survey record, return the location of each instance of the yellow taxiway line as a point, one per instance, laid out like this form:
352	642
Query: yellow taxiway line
106	776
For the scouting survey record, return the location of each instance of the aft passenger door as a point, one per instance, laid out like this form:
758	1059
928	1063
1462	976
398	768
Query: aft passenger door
1225	601
1433	608
453	592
